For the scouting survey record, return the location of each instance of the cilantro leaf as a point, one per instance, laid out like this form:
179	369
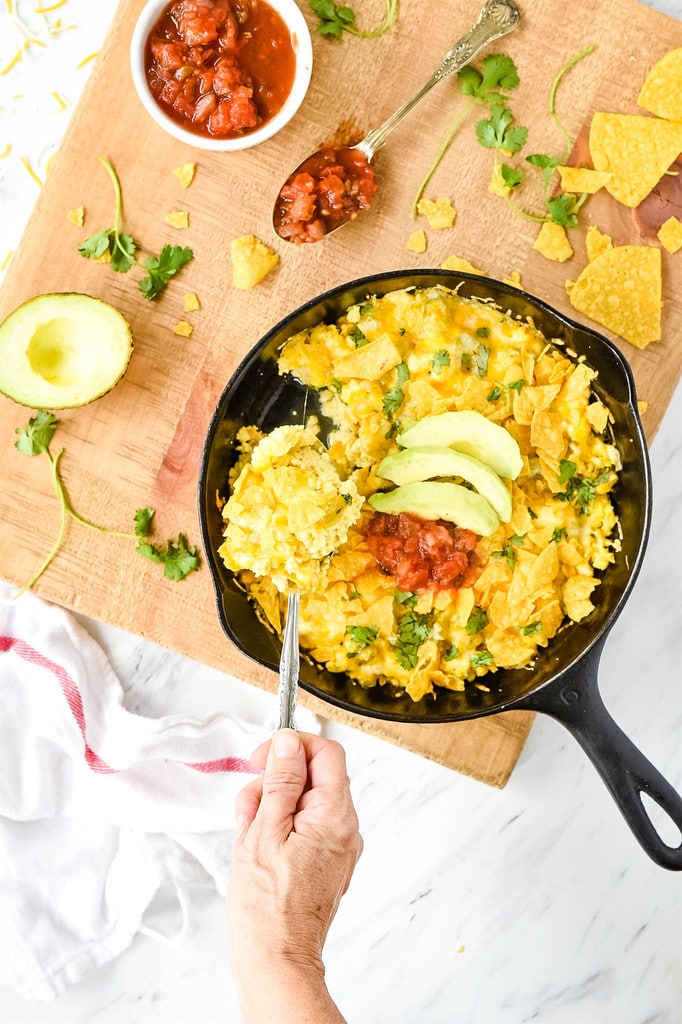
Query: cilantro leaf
394	398
440	359
545	163
508	552
405	597
178	559
358	338
413	630
481	357
143	521
161	268
559	534
332	19
581	491
96	245
452	653
495	393
497	131
122	249
532	628
480	658
566	470
516	385
363	636
563	209
35	439
477	621
499	73
511	177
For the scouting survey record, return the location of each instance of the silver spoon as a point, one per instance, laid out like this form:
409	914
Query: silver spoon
289	664
497	18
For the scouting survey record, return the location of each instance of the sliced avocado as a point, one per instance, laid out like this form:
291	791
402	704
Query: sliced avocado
469	432
434	499
424	463
62	350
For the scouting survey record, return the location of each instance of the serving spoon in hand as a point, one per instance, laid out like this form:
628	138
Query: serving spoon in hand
496	19
289	664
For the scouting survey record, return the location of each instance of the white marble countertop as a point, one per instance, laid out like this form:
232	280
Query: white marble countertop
533	903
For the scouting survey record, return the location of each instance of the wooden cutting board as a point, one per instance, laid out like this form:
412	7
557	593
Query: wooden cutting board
141	444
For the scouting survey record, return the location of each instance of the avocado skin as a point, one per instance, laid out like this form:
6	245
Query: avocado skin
469	432
435	499
412	465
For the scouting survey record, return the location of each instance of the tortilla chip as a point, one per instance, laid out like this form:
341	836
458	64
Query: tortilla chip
552	241
514	279
597	242
497	185
183	328
642	407
636	150
457	263
177	219
670	234
621	290
582	179
185	174
597	415
440	212
251	261
370	362
191	300
576	596
416	242
77	216
661	93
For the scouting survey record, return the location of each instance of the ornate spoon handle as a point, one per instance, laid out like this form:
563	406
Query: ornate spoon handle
497	18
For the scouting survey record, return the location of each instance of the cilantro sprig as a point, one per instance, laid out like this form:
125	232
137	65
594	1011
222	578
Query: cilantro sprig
413	629
580	490
395	397
122	248
335	19
35	439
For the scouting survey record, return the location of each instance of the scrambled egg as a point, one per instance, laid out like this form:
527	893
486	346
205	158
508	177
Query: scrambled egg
389	362
289	508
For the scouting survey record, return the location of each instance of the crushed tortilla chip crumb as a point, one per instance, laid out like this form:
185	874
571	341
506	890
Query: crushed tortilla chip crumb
636	149
582	179
670	234
77	216
440	212
191	301
251	261
183	328
661	93
642	407
621	290
416	242
596	242
185	174
457	263
552	241
514	279
177	219
497	185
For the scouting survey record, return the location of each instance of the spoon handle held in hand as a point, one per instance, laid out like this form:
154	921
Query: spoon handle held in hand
289	665
497	18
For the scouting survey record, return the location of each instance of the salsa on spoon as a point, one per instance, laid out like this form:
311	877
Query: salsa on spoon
333	185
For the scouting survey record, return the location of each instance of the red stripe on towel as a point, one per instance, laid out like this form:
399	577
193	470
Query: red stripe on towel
73	698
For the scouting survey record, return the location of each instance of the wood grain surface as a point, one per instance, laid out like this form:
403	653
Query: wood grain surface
141	444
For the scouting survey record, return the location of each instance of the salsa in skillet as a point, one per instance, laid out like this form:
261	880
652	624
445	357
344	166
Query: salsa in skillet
220	68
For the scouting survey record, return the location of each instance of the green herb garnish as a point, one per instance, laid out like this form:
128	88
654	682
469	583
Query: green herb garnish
362	636
480	658
394	398
440	359
477	621
335	19
413	630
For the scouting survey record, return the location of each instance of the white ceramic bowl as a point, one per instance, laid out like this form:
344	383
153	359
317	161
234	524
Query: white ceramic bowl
303	49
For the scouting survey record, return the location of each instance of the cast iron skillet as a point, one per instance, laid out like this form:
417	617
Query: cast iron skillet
563	680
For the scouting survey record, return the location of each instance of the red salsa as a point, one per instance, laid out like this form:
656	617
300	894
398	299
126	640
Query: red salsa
422	554
220	68
328	189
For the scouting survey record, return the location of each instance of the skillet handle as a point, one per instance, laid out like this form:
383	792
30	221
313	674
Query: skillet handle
575	701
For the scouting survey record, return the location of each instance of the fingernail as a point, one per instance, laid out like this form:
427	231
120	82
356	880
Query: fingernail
286	743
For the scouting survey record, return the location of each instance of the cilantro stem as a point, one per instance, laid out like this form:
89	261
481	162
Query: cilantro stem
445	145
118	209
54	462
389	18
553	91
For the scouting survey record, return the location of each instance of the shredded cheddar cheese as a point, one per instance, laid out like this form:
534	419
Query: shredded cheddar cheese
15	60
8	257
86	60
52	7
30	170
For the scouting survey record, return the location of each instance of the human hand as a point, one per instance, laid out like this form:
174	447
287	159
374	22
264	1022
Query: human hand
297	847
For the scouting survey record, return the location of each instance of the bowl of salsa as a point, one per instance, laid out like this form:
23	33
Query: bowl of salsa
221	74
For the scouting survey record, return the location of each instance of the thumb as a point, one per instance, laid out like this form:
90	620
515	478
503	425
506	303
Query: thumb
284	779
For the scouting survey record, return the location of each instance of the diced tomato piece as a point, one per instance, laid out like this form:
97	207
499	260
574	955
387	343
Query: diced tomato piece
421	554
169	55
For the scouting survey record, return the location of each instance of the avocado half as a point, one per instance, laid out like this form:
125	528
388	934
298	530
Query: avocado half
62	350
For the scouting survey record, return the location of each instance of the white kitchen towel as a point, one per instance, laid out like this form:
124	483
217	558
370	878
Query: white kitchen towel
99	807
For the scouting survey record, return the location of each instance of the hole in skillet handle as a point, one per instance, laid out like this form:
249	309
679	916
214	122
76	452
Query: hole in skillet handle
573	699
